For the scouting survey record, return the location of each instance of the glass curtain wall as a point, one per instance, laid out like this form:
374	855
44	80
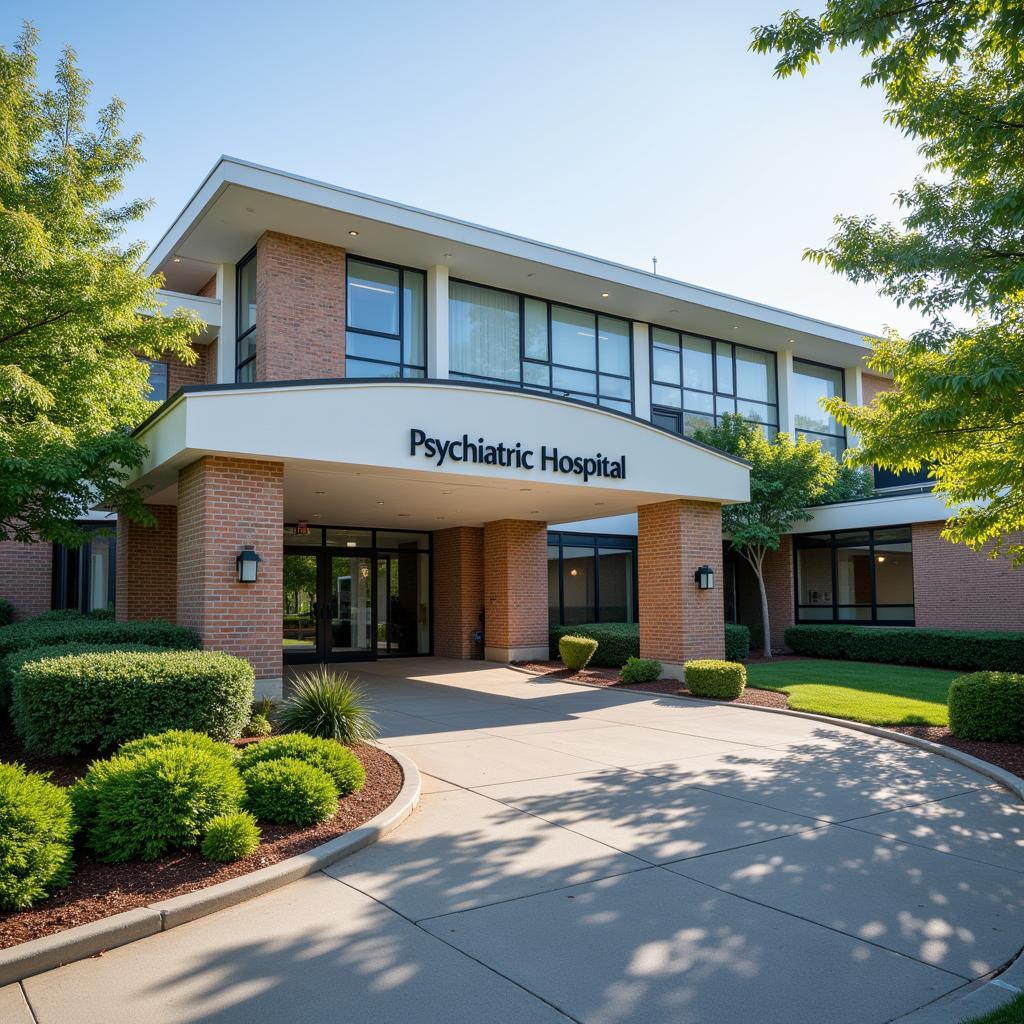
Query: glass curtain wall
695	380
591	579
811	383
84	577
500	337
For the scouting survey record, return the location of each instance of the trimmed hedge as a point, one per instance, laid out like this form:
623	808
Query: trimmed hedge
344	768
51	630
721	680
942	648
97	701
641	670
180	738
576	651
36	831
616	641
289	792
737	642
987	706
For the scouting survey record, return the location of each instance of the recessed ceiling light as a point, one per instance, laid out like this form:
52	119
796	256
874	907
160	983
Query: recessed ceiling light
403	515
249	209
604	295
530	275
446	492
318	492
351	544
447	255
597	503
177	259
735	328
354	233
380	502
792	341
526	488
316	515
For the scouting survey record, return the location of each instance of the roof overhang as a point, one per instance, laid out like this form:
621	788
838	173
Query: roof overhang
239	201
351	458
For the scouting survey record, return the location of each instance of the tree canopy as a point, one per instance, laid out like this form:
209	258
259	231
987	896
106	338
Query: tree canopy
76	306
952	72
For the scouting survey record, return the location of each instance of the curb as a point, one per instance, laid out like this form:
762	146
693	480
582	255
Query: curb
39	955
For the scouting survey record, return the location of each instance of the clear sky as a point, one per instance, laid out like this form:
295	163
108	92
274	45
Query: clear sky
622	128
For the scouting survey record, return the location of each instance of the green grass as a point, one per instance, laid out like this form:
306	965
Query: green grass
1011	1013
858	690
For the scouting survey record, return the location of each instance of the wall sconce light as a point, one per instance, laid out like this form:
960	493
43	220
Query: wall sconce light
247	564
705	578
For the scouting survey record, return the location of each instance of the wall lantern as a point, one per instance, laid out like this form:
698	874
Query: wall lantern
247	563
705	578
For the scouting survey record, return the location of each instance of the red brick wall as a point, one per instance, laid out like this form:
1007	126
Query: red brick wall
147	562
870	386
778	581
956	588
516	584
202	371
209	290
224	504
26	577
300	309
458	591
677	621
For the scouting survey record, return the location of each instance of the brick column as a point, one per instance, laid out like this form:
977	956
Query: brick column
515	590
300	309
147	567
224	504
26	577
458	591
778	582
678	622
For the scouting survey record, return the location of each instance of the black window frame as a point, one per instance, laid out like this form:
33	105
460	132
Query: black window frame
151	396
402	364
817	434
524	360
240	337
596	541
833	547
71	570
678	416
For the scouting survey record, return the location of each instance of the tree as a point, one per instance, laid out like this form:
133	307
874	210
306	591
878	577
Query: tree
76	307
785	477
953	76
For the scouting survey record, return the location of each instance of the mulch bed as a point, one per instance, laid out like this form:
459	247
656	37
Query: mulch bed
100	890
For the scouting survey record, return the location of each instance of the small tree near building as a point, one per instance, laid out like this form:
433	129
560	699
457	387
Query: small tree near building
785	477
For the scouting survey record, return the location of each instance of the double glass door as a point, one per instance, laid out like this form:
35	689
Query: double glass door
356	606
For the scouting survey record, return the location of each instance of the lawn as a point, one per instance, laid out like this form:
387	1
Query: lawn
861	691
1011	1013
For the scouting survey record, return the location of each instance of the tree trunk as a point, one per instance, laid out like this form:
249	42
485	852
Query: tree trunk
757	562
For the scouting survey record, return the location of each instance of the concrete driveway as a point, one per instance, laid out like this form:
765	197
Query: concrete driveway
595	856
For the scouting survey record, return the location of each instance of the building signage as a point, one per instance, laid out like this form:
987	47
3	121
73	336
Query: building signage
514	456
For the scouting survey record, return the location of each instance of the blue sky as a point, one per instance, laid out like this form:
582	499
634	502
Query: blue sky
626	130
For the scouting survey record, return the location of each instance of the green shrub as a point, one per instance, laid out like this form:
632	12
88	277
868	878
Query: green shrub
616	641
737	642
942	648
97	701
289	792
58	628
258	725
231	837
641	670
576	651
11	663
180	738
6	612
722	680
36	831
139	806
344	768
987	706
330	705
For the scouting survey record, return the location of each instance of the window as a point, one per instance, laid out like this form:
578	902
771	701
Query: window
695	380
811	383
157	380
505	338
591	579
245	321
386	317
83	577
857	576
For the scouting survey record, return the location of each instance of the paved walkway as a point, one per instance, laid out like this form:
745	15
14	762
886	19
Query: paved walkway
594	856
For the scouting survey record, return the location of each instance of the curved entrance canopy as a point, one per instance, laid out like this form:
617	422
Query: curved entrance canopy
429	455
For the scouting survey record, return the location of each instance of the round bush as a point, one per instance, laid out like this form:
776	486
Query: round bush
616	641
641	670
343	767
987	706
139	806
288	791
180	738
231	837
36	830
259	725
722	680
329	705
576	651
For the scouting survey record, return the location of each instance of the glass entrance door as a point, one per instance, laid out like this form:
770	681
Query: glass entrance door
403	625
348	617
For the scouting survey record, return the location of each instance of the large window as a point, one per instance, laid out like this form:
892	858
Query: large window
857	576
695	380
591	579
811	383
157	380
386	317
245	321
501	337
83	577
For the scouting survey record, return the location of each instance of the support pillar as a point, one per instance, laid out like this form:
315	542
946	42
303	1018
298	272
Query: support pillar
147	567
223	505
678	622
458	591
515	590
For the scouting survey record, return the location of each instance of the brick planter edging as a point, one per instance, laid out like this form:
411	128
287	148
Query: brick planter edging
79	943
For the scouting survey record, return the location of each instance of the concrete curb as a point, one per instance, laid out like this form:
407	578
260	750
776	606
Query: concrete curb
39	955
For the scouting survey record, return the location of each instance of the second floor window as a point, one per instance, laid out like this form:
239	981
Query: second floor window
695	380
386	320
157	380
811	383
245	321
